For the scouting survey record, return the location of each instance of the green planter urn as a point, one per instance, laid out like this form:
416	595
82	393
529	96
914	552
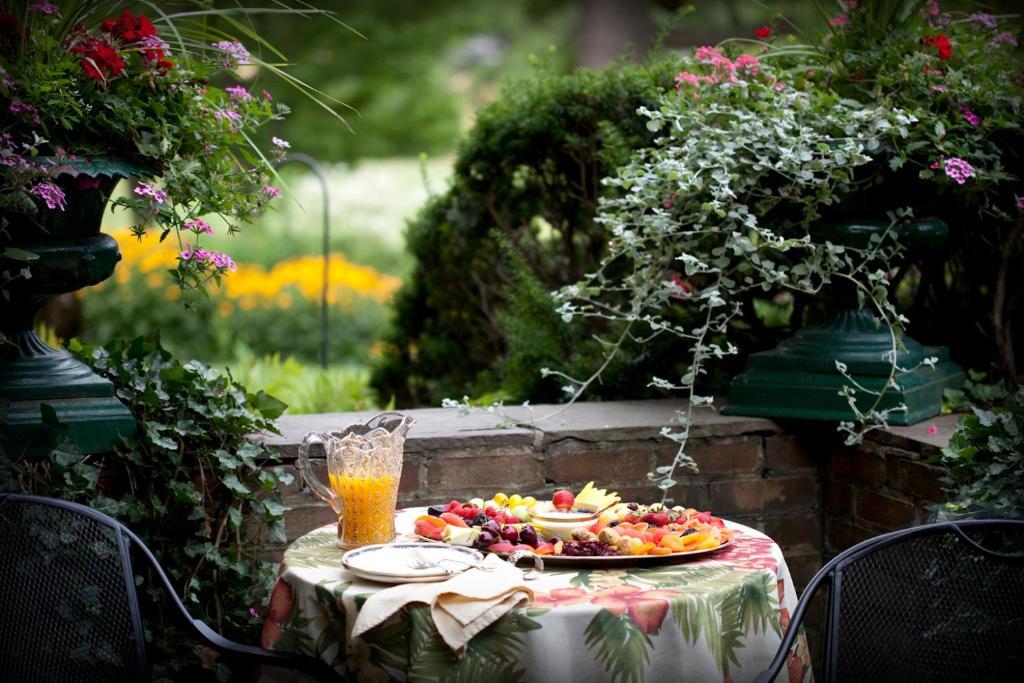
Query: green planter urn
63	251
799	379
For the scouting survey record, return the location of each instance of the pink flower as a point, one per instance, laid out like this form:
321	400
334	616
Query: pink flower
198	225
49	193
278	142
234	53
271	192
147	190
969	116
748	63
237	92
197	255
933	429
229	114
1020	203
850	4
709	55
838	20
266	95
933	8
681	289
958	169
685	77
47	8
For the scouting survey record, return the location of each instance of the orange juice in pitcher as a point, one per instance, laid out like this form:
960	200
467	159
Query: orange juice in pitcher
364	464
368	505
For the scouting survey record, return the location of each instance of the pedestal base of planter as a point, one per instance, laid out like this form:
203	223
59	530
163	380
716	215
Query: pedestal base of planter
33	374
799	379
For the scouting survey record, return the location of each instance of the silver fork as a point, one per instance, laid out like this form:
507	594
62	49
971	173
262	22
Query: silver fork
421	562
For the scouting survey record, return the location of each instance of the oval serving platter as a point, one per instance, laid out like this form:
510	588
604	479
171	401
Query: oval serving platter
394	562
605	561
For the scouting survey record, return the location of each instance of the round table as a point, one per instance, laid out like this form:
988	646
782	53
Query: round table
718	618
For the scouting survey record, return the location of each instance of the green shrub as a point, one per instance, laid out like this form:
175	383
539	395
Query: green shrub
530	172
985	458
190	484
306	388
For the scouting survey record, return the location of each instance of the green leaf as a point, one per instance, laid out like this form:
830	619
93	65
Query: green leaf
268	406
16	254
232	481
623	649
50	418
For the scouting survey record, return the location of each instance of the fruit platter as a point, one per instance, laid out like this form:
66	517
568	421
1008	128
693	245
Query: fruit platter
592	527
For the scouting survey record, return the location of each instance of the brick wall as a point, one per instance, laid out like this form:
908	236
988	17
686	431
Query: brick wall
883	484
794	482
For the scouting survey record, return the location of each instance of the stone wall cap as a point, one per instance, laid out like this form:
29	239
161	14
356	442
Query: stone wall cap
444	429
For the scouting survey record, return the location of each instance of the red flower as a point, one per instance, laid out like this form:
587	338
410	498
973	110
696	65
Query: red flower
941	43
647	609
99	59
128	27
763	32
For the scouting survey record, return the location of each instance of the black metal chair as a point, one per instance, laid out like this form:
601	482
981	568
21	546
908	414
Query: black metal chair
69	608
940	602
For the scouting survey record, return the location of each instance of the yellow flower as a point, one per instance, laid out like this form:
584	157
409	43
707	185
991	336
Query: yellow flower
253	284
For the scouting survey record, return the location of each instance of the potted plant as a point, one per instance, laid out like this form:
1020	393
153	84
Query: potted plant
91	93
760	141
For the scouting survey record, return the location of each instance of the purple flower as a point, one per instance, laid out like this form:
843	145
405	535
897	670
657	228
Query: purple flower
986	20
271	192
147	190
969	116
838	21
234	52
222	261
266	95
47	8
19	107
237	92
49	193
1004	37
1020	203
229	114
283	144
198	225
958	169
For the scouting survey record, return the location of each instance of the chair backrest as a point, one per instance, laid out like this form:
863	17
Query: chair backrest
69	607
942	602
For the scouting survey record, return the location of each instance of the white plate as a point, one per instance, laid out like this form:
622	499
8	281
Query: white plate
394	563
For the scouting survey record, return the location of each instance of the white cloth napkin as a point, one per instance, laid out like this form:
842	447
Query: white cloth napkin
461	607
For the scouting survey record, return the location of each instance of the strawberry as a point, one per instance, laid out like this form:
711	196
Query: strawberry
467	512
704	517
452	505
656	518
490	512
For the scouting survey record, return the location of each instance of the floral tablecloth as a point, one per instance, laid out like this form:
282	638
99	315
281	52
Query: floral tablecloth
714	619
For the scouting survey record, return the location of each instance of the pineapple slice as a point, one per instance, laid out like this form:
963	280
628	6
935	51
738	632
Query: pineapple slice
597	499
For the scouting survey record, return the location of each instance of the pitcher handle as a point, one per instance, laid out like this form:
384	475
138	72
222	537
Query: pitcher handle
318	487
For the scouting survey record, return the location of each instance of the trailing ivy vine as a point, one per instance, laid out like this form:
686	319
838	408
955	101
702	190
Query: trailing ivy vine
191	483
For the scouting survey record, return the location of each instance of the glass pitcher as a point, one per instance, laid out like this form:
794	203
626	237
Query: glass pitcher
364	464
